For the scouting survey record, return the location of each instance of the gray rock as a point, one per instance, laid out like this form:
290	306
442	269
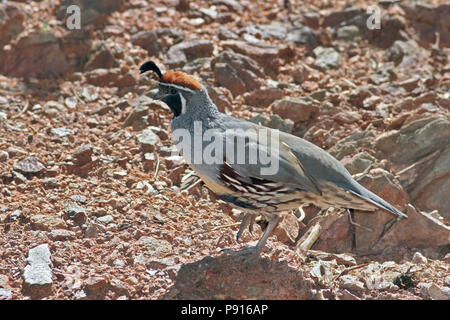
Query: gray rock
447	281
276	122
351	283
301	73
230	4
237	72
415	140
225	34
296	108
94	229
147	39
433	291
12	17
327	58
337	17
185	51
47	222
75	212
360	162
273	31
16	151
259	119
100	56
351	144
138	118
83	155
148	140
4	156
96	288
92	12
420	230
5	294
61	132
419	258
303	35
431	184
154	250
263	97
79	198
29	165
319	95
348	33
264	53
61	235
105	219
38	273
50	182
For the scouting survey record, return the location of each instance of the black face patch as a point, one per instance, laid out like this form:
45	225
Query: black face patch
174	103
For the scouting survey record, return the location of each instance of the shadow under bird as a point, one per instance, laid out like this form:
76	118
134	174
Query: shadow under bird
306	173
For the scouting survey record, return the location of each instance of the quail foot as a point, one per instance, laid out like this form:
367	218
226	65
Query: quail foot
259	170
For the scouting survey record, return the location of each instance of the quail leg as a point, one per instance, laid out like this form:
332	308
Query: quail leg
272	224
247	220
251	253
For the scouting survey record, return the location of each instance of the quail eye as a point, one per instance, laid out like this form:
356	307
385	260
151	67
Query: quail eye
173	91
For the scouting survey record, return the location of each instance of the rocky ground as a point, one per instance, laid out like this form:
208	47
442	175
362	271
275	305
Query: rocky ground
93	205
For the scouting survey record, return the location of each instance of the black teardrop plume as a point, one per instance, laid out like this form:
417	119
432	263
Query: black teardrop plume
150	66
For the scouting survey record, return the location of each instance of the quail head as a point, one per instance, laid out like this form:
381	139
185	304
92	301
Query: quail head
259	170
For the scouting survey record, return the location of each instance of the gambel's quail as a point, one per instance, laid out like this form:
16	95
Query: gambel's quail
298	172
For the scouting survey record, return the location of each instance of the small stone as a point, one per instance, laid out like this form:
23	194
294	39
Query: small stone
348	32
105	219
29	165
120	174
75	212
296	109
4	156
82	155
327	58
47	222
419	258
71	103
13	216
96	288
61	132
147	39
54	109
38	274
94	229
225	34
79	198
433	291
447	281
287	229
5	294
303	35
263	97
153	250
351	283
50	182
347	117
61	235
15	151
285	125
148	140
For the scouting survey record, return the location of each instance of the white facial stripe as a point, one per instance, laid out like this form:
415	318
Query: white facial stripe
183	103
175	86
